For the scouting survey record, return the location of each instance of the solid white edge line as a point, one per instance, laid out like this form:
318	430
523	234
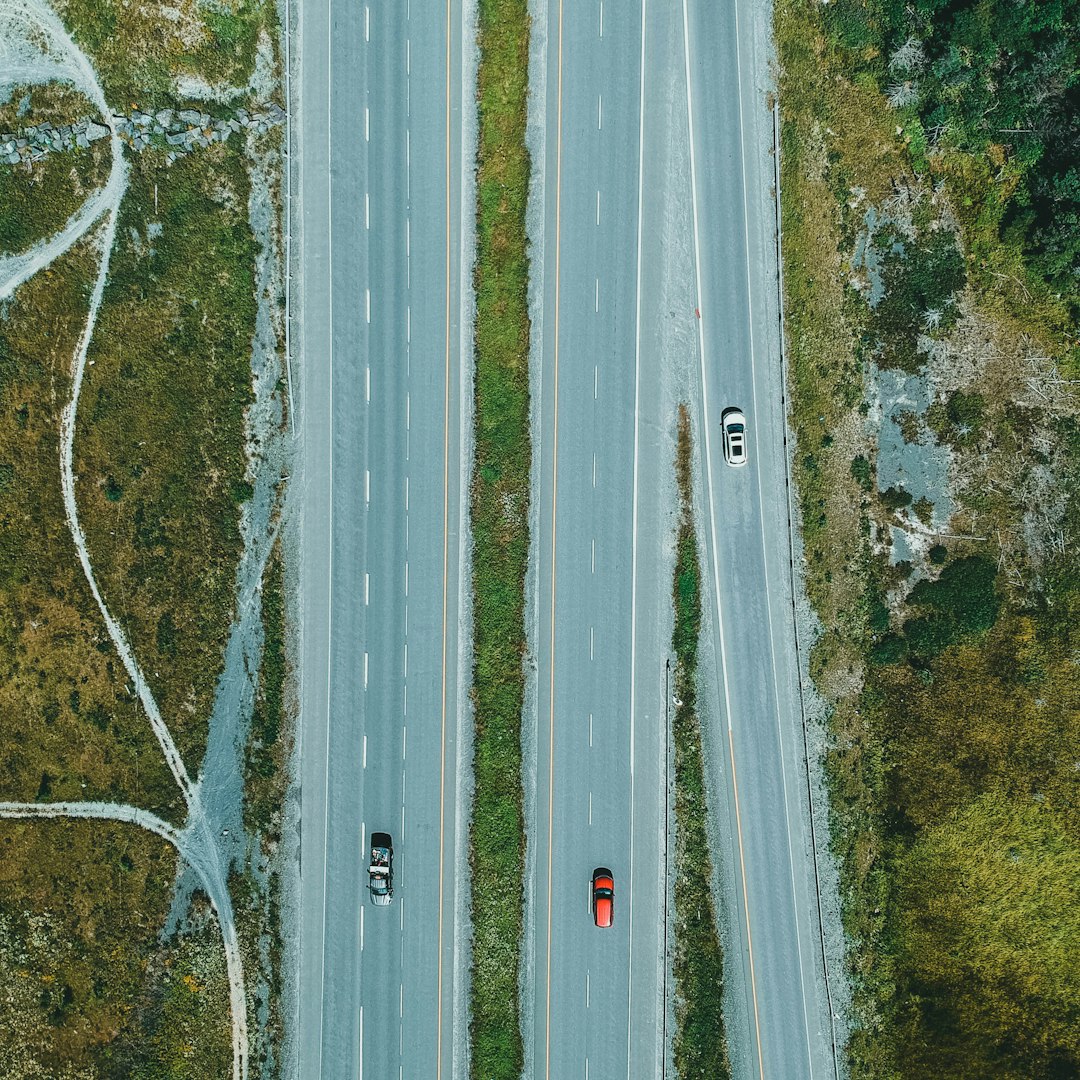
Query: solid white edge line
634	546
330	523
764	552
711	496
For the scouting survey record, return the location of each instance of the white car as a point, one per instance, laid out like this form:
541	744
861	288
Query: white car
733	424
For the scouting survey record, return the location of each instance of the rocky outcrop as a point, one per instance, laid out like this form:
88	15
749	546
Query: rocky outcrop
176	131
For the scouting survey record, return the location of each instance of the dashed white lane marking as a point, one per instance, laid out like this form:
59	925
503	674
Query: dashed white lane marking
406	494
595	380
599	112
405	670
405	700
401	1001
590	729
598	208
367	588
591	642
367	23
367	383
408	236
592	560
367	124
367	304
363	765
408	411
408	56
367	485
404	733
587	984
594	465
367	210
601	18
361	1042
596	302
408	324
365	670
406	577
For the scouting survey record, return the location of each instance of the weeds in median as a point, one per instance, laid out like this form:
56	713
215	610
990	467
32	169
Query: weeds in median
499	502
700	1039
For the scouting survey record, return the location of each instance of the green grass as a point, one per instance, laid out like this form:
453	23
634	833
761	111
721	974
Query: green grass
138	54
159	443
700	1047
81	906
952	807
268	746
499	502
36	202
69	722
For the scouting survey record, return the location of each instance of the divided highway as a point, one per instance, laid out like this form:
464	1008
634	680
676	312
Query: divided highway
377	301
656	275
659	286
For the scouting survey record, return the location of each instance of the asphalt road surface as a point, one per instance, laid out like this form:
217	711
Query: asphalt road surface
377	301
659	286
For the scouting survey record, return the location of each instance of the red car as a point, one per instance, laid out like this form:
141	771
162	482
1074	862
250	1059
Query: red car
603	896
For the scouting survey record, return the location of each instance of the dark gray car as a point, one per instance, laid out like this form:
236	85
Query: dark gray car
381	869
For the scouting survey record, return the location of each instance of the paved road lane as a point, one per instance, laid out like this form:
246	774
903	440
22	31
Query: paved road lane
379	266
755	704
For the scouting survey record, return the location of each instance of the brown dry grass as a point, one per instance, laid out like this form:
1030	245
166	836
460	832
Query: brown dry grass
69	723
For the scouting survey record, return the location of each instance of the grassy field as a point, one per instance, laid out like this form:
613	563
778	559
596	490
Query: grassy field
159	442
89	991
36	202
69	722
139	52
499	503
954	713
700	1040
160	482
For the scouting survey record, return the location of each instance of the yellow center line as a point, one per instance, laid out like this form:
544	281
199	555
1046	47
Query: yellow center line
746	904
446	549
554	493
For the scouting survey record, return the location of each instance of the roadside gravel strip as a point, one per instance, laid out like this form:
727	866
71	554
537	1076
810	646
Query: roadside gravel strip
25	23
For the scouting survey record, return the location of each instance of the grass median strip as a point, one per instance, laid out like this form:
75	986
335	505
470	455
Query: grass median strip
499	503
700	1039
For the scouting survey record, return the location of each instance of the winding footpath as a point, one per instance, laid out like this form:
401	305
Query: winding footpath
23	25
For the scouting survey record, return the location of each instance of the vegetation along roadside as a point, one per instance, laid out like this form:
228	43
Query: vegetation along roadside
700	1039
499	503
929	208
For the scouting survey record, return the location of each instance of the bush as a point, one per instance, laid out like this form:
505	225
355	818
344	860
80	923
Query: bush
891	649
862	472
896	498
965	592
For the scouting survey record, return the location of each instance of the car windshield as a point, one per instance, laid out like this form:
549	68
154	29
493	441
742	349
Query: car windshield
735	428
